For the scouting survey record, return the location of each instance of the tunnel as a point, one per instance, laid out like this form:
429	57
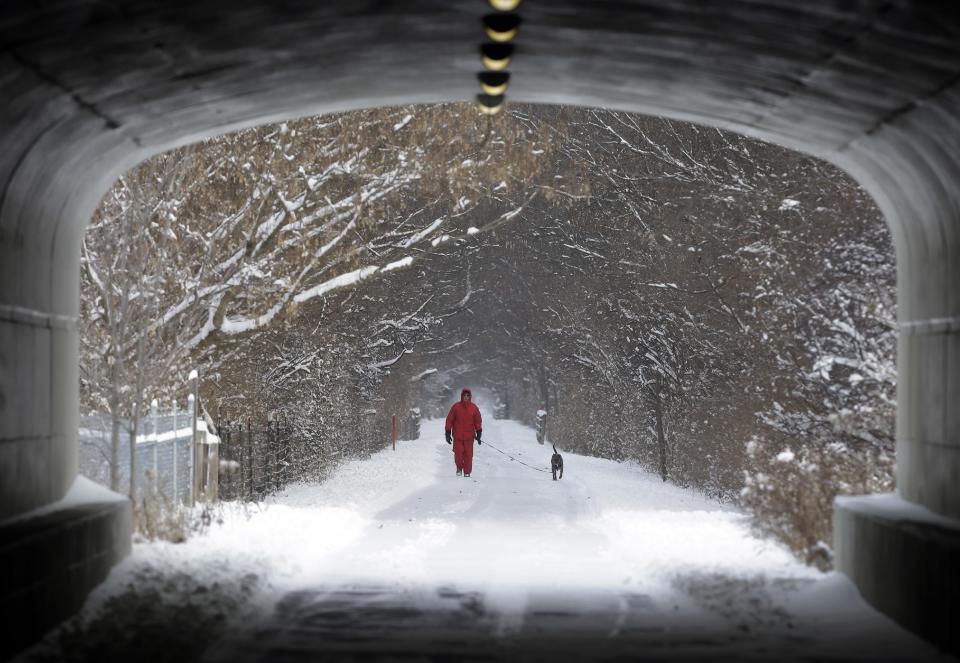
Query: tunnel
92	88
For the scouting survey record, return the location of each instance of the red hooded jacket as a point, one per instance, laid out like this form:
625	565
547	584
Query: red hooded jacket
464	418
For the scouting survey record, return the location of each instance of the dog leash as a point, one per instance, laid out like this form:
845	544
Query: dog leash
538	469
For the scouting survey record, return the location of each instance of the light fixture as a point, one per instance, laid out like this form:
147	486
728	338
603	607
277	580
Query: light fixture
493	83
496	57
501	27
490	104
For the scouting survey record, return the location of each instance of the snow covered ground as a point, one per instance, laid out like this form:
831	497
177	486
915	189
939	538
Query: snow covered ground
405	517
396	554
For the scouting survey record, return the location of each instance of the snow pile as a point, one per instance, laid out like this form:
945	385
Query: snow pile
785	456
82	491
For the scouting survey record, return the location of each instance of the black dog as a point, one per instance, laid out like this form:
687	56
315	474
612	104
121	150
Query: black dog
556	463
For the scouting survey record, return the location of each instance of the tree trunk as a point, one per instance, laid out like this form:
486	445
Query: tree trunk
114	449
133	458
661	437
544	387
114	405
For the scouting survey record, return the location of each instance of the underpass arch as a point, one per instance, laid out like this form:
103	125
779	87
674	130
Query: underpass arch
872	87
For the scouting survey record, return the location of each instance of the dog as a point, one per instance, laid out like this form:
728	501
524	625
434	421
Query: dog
556	463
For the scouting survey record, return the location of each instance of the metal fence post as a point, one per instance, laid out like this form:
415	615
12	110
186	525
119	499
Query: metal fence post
156	443
271	446
175	475
212	491
192	405
277	467
286	457
190	470
250	458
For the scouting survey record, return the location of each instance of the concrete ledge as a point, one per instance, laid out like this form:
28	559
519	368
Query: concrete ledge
905	560
53	557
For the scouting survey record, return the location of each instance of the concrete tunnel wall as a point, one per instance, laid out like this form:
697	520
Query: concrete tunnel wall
92	88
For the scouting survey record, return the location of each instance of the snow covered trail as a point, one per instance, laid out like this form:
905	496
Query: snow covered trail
395	556
510	525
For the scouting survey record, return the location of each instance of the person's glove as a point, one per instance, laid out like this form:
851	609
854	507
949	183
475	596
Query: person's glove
449	437
479	433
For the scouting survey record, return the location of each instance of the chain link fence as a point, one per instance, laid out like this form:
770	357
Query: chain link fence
163	453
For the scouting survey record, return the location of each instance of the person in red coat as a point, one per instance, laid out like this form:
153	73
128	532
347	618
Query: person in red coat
463	425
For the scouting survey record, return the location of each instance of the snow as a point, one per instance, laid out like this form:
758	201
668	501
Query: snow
890	506
472	230
184	432
424	374
785	456
402	123
402	516
159	437
193	374
608	533
413	239
205	427
389	362
789	203
349	278
397	264
242	325
82	491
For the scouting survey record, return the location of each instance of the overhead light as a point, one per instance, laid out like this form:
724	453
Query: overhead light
493	83
501	27
490	104
496	57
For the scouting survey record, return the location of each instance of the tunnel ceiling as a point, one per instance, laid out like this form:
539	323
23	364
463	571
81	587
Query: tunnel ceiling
151	74
94	87
91	88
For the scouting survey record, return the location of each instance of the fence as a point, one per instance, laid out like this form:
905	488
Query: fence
252	460
163	449
242	461
255	460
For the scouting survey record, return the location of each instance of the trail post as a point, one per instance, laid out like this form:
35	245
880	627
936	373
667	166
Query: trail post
541	426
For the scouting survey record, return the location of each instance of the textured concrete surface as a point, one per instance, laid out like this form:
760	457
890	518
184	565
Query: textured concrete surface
51	563
92	87
904	560
727	619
